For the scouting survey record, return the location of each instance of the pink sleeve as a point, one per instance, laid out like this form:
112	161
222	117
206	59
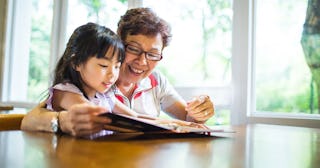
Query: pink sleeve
63	87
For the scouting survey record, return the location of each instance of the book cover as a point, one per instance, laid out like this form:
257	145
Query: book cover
143	123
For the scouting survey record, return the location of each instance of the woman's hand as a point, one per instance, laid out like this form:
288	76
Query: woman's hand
82	120
200	108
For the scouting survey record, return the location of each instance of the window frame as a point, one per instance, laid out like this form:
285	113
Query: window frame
4	10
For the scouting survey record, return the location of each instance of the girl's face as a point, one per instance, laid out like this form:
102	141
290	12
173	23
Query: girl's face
136	67
99	74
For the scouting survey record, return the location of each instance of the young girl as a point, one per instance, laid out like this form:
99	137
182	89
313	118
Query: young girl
89	67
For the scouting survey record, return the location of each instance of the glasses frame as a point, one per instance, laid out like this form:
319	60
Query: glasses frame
146	53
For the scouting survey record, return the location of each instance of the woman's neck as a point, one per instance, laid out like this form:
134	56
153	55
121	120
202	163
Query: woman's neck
126	89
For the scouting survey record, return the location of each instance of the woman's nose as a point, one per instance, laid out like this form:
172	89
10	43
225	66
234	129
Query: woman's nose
143	58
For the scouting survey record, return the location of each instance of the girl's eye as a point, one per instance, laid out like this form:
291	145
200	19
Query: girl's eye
103	66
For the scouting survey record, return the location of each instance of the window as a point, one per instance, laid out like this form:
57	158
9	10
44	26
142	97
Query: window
36	38
282	77
275	80
201	40
106	13
27	53
283	81
198	60
42	29
246	54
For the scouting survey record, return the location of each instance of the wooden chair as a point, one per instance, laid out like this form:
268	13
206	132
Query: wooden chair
5	108
10	121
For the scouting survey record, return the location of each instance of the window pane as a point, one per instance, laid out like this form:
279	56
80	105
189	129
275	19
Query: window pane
200	51
28	51
197	61
103	12
282	77
39	48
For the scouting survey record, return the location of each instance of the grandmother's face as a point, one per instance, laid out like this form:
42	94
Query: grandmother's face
137	67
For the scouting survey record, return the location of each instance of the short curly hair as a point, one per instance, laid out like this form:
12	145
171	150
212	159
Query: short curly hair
143	21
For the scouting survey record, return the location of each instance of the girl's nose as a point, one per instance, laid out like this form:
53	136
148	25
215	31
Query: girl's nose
111	73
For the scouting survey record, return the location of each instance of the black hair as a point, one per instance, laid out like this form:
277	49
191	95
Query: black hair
86	41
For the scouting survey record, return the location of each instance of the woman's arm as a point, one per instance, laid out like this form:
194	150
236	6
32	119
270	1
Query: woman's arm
38	119
198	110
80	119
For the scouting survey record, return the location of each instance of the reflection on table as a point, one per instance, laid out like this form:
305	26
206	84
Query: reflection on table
251	146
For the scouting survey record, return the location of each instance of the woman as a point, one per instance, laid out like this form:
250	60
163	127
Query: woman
144	90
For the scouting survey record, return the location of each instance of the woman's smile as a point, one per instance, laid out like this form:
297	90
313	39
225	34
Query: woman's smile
136	71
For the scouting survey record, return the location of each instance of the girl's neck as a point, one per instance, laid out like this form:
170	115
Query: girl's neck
89	92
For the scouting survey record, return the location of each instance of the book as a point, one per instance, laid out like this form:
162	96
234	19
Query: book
147	126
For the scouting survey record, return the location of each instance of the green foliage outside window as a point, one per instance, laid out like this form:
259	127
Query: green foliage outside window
39	56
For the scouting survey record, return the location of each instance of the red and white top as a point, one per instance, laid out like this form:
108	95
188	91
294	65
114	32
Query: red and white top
151	95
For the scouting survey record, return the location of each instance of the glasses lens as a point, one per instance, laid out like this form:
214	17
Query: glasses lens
138	51
133	50
154	56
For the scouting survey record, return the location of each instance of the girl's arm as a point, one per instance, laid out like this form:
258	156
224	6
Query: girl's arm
63	100
83	121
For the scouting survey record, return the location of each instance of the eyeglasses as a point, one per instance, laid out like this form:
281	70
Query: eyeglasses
138	51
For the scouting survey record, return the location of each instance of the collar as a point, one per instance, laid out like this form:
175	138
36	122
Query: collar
147	83
144	85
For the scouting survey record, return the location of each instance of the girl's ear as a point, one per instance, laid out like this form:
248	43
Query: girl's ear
74	66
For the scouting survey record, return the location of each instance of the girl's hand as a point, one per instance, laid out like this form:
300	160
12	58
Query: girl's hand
83	120
200	108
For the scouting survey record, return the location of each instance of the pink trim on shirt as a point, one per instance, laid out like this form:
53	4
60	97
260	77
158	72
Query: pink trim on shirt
120	98
153	81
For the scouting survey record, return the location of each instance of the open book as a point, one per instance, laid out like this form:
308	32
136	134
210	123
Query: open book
153	125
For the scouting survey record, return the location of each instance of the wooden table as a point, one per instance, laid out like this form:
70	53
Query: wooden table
253	146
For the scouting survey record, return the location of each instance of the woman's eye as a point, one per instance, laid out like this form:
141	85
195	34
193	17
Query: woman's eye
134	49
153	55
